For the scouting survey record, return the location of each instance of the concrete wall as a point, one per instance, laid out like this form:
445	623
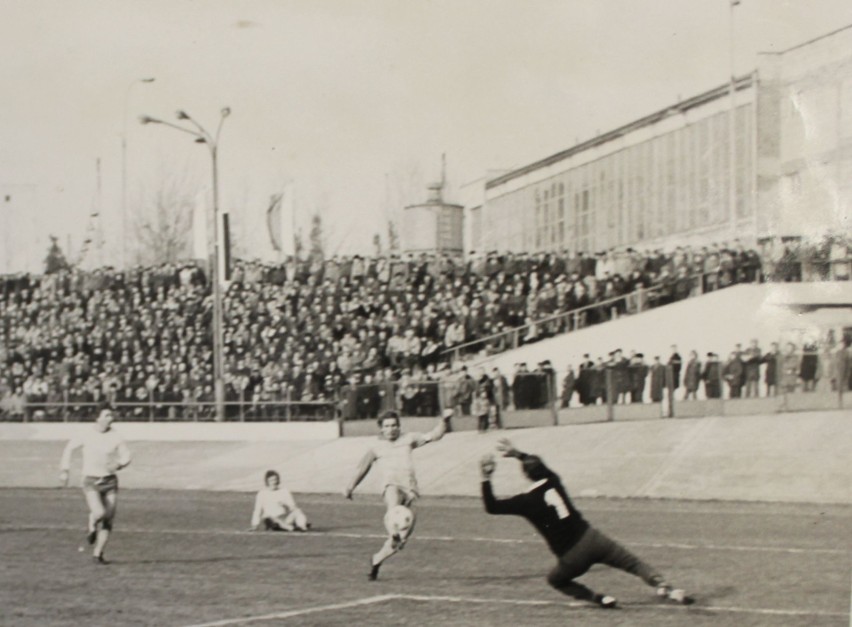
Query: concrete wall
181	431
712	322
802	457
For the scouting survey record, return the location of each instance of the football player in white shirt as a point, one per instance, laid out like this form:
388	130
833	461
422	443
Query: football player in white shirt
104	454
275	508
392	452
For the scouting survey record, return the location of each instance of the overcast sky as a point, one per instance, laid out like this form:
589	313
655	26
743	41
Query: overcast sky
347	98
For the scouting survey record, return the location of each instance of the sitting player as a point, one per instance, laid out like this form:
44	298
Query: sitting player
275	509
576	544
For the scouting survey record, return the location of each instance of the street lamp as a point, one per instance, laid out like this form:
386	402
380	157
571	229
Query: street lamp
203	137
124	169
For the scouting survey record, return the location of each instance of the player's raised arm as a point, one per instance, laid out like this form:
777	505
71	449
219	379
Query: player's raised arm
534	466
440	429
363	468
493	505
65	463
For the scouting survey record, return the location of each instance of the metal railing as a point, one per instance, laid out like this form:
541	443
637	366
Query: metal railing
597	312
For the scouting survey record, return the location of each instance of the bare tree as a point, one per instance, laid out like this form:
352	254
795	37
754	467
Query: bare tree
164	221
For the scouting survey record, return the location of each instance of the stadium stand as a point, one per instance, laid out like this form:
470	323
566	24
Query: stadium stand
347	335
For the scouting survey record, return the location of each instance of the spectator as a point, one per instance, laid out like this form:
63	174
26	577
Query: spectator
692	376
712	377
733	375
790	368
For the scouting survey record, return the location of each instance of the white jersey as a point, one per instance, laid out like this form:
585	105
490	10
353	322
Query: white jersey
101	451
395	460
272	504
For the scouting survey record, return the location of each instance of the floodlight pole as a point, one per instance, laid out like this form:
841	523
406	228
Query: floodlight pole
202	136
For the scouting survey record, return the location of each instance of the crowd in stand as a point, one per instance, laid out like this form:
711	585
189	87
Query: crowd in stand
303	331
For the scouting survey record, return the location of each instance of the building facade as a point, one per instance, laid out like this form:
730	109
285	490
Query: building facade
744	161
434	226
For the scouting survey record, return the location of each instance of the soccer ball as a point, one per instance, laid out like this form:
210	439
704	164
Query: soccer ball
398	520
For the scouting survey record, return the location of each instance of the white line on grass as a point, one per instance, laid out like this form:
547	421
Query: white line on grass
420	538
489	601
292	613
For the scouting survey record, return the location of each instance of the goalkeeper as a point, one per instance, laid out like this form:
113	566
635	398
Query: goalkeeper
576	544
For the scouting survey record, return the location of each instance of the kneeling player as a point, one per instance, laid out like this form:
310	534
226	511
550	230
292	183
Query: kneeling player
393	453
576	544
275	508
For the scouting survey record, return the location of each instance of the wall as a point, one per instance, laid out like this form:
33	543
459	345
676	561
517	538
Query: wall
801	457
181	431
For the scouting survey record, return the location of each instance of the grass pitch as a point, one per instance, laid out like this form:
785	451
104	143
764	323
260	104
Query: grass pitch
184	558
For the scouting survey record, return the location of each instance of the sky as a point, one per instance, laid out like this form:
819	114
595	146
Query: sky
351	102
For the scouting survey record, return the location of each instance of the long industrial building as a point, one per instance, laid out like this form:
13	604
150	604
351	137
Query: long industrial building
769	156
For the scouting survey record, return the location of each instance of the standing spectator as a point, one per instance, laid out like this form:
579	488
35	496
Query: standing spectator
638	374
712	376
752	359
465	392
568	384
772	359
583	384
620	377
733	374
658	380
481	409
790	367
501	396
808	367
675	363
692	376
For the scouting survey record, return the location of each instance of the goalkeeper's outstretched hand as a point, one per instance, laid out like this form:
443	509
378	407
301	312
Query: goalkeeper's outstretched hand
506	447
487	466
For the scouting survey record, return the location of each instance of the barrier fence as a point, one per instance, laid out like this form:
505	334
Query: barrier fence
673	290
828	378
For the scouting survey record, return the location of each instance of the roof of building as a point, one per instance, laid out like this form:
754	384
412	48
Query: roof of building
743	82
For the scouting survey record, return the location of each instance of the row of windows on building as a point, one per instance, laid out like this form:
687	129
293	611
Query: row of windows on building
675	182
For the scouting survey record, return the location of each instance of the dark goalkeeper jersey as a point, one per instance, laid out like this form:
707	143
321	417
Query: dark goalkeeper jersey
547	506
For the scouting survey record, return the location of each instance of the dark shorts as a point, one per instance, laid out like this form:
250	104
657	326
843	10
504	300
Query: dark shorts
102	485
592	548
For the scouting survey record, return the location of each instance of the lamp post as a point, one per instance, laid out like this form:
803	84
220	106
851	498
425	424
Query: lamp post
124	169
203	137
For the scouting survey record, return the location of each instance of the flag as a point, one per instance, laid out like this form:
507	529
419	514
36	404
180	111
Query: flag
273	221
280	221
200	240
225	250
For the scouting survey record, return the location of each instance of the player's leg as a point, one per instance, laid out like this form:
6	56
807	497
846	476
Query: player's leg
294	520
617	556
574	563
110	503
97	511
393	496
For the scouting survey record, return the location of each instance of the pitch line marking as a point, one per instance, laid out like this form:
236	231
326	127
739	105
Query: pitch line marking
594	504
514	602
480	539
300	612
